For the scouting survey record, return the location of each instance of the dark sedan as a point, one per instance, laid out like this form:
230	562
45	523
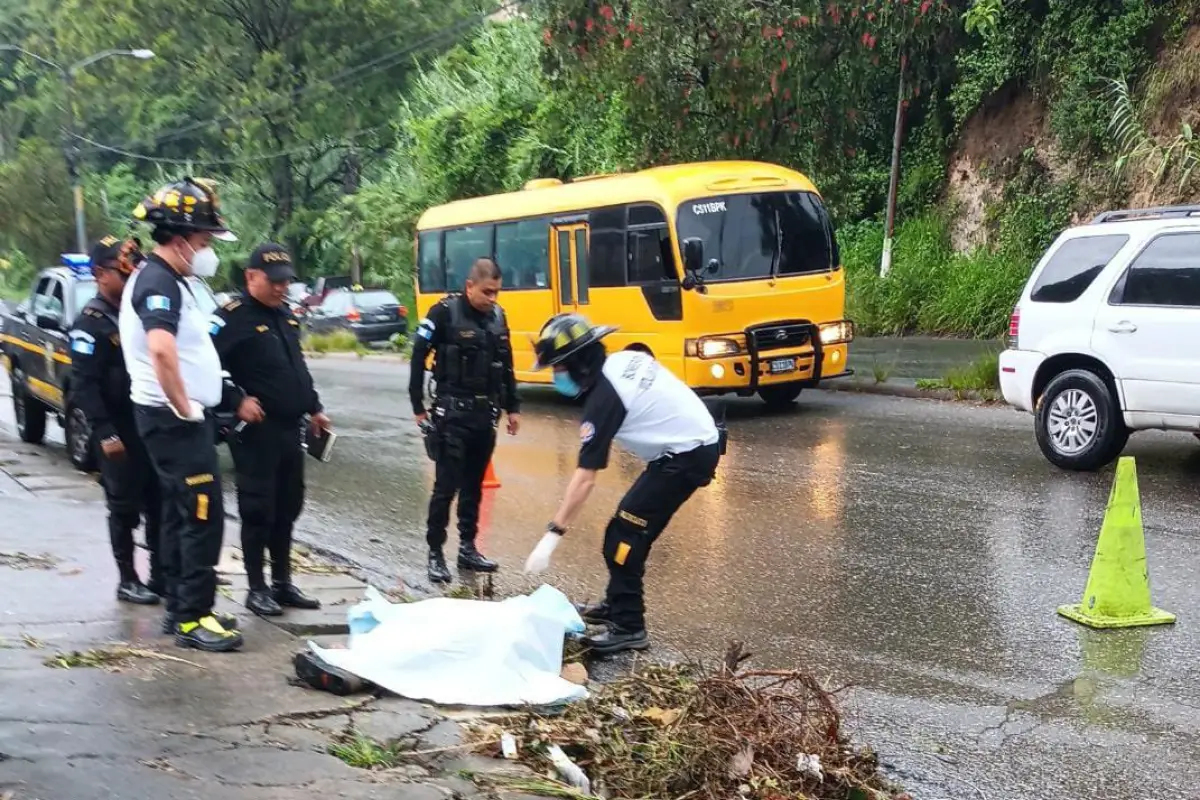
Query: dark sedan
372	315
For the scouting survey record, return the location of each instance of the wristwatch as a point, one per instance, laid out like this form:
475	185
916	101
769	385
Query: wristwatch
555	528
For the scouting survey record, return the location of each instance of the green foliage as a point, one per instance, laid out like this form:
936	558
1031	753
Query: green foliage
339	341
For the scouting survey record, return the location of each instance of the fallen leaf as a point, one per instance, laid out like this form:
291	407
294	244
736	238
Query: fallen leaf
72	571
663	717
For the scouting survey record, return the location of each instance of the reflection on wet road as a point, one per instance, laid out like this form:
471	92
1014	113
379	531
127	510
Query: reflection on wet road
914	550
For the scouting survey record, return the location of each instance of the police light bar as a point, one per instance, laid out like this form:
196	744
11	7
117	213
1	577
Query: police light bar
79	263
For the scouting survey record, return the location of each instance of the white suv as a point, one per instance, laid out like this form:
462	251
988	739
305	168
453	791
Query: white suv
1106	337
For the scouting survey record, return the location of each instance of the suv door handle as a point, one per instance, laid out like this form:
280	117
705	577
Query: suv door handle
1124	326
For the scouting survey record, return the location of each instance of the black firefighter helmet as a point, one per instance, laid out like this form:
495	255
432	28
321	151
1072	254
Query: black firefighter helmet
190	204
563	336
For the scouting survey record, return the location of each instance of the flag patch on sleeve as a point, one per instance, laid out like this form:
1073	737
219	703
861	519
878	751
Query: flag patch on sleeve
158	302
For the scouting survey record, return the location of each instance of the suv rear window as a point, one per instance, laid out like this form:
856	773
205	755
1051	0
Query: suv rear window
1073	267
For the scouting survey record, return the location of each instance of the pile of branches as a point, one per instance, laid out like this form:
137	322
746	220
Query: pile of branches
683	731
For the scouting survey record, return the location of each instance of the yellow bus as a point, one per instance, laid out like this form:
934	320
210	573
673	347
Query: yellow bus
727	272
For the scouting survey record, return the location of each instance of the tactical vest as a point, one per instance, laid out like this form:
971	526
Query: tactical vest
470	360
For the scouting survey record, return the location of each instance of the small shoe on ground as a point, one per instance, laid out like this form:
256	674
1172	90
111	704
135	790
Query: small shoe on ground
472	560
617	640
262	603
320	675
207	634
289	595
594	613
438	571
228	621
134	592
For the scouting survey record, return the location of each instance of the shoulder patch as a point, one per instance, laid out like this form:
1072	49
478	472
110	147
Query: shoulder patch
293	321
84	335
426	328
158	302
215	323
262	328
83	343
231	305
587	432
92	312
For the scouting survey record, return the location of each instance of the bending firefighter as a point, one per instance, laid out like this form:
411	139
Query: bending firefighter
100	389
632	399
474	372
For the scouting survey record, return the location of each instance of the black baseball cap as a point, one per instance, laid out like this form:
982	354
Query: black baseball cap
106	250
274	260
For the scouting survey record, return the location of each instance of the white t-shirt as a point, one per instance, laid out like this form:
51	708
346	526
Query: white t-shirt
158	298
638	403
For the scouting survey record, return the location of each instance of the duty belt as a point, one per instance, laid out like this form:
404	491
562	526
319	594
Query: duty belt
468	404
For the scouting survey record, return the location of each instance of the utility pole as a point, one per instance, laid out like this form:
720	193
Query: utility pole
897	137
70	136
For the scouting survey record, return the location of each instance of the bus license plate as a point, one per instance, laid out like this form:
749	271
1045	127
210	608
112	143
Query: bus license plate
779	365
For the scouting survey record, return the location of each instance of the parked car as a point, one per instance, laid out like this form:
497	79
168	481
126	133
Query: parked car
1104	339
373	315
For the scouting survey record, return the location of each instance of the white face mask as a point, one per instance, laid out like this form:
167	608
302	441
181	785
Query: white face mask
204	262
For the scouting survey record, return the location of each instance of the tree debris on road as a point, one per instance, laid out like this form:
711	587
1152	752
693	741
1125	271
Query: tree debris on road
705	734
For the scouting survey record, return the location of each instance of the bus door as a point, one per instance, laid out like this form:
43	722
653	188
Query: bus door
570	258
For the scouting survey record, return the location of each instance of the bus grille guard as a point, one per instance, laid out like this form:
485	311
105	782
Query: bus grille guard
784	334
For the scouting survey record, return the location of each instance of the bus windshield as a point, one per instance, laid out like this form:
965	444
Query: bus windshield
755	236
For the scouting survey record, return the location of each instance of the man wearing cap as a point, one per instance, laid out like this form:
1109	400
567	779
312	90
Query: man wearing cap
175	379
258	340
100	389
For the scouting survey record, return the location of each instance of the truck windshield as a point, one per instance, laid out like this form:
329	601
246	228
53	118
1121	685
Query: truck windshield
754	236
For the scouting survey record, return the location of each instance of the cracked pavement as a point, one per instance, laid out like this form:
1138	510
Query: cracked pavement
229	726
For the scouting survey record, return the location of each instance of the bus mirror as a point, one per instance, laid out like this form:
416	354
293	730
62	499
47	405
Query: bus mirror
693	255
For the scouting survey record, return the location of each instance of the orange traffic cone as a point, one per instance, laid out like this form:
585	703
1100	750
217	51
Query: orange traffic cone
490	481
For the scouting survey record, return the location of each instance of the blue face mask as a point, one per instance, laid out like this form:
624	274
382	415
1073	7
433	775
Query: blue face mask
566	385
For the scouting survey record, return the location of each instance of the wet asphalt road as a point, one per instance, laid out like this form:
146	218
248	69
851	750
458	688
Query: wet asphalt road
913	550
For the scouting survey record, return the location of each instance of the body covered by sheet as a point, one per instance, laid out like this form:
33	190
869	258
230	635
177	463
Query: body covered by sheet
463	652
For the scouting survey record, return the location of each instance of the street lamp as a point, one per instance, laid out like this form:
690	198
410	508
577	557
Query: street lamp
70	148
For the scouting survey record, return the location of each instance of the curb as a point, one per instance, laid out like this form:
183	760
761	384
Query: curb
906	391
388	358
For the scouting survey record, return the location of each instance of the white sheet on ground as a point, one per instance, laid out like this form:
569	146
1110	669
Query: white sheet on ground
463	652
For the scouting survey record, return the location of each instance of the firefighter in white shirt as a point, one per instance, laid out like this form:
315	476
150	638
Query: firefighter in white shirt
632	399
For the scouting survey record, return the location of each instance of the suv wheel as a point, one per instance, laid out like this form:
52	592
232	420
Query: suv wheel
1078	423
30	413
780	395
78	433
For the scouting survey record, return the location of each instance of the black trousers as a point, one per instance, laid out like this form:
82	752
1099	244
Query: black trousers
467	442
269	462
642	515
184	455
131	491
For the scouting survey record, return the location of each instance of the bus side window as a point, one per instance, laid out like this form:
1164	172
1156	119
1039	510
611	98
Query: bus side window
523	253
463	247
651	257
431	272
606	247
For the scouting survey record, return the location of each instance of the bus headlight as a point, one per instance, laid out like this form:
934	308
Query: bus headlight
712	347
837	332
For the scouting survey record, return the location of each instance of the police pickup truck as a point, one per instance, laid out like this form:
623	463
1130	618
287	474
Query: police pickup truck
36	350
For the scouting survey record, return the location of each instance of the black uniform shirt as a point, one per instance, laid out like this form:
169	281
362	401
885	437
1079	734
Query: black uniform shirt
99	380
260	348
431	334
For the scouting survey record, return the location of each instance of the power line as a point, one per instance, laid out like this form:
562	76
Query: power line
224	161
375	65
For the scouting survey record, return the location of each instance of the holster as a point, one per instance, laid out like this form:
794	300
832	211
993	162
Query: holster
433	440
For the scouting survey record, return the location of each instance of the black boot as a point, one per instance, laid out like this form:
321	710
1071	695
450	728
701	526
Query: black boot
207	634
438	571
289	595
157	584
228	621
132	591
616	640
472	560
594	614
260	602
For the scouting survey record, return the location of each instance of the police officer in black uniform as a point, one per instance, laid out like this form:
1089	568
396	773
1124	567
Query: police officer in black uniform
473	370
100	389
258	339
632	399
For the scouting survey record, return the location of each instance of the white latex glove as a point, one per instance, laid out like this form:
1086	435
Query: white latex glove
539	559
195	412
